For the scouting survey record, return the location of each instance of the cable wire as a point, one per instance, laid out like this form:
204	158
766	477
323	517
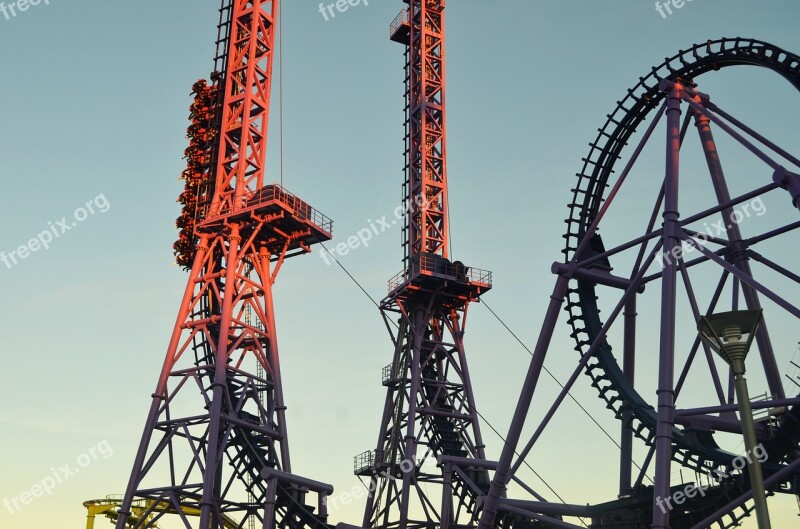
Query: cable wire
557	381
482	417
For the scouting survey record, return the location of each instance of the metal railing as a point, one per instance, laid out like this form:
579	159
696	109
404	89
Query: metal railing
398	280
388	374
439	267
275	193
399	21
303	210
364	461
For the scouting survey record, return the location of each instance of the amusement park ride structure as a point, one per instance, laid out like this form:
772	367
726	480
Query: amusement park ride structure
670	434
429	411
215	442
214	452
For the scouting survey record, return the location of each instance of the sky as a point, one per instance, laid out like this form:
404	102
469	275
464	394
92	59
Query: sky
92	127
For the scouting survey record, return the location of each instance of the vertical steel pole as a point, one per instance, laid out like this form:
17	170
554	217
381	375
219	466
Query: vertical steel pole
628	368
447	515
409	475
211	474
381	456
666	371
501	475
267	280
269	503
750	441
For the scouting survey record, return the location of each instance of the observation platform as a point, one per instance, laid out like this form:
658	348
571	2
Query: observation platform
400	28
367	464
431	273
285	216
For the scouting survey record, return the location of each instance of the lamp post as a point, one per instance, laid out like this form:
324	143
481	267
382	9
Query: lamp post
730	334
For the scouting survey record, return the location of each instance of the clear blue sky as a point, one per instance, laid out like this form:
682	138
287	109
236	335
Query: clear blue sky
95	98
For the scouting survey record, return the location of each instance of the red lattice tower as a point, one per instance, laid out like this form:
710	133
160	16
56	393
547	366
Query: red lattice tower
429	412
215	443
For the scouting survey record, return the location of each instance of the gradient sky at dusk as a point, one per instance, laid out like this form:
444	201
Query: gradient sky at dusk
95	98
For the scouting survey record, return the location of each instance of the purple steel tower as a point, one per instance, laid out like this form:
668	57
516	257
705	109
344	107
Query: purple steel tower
655	271
429	415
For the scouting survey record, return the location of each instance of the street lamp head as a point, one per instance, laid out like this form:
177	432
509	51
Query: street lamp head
730	334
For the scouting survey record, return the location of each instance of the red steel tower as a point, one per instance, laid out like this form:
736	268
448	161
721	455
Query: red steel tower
215	443
429	415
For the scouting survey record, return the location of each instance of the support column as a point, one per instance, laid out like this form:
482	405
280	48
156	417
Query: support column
211	475
740	259
501	475
628	368
666	371
409	476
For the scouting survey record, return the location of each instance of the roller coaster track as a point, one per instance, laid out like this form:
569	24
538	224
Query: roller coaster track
110	505
693	451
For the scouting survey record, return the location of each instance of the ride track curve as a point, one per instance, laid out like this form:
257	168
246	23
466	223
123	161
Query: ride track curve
698	452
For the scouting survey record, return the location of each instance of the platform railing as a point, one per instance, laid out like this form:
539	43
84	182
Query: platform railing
364	461
436	266
275	193
399	21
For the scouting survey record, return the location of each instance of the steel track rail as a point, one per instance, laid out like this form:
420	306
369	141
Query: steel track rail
691	451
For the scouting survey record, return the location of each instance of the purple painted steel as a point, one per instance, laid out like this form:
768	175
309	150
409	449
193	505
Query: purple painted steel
547	520
773	233
584	243
557	509
215	432
772	403
794	310
206	456
697	341
738	200
717	424
622	247
739	249
770	482
527	489
586	254
645	465
629	294
666	363
600	277
629	370
502	475
727	128
160	393
773	265
790	182
713	107
650	225
430	404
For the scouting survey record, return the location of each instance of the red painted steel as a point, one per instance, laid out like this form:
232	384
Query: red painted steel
426	133
245	111
217	419
429	412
